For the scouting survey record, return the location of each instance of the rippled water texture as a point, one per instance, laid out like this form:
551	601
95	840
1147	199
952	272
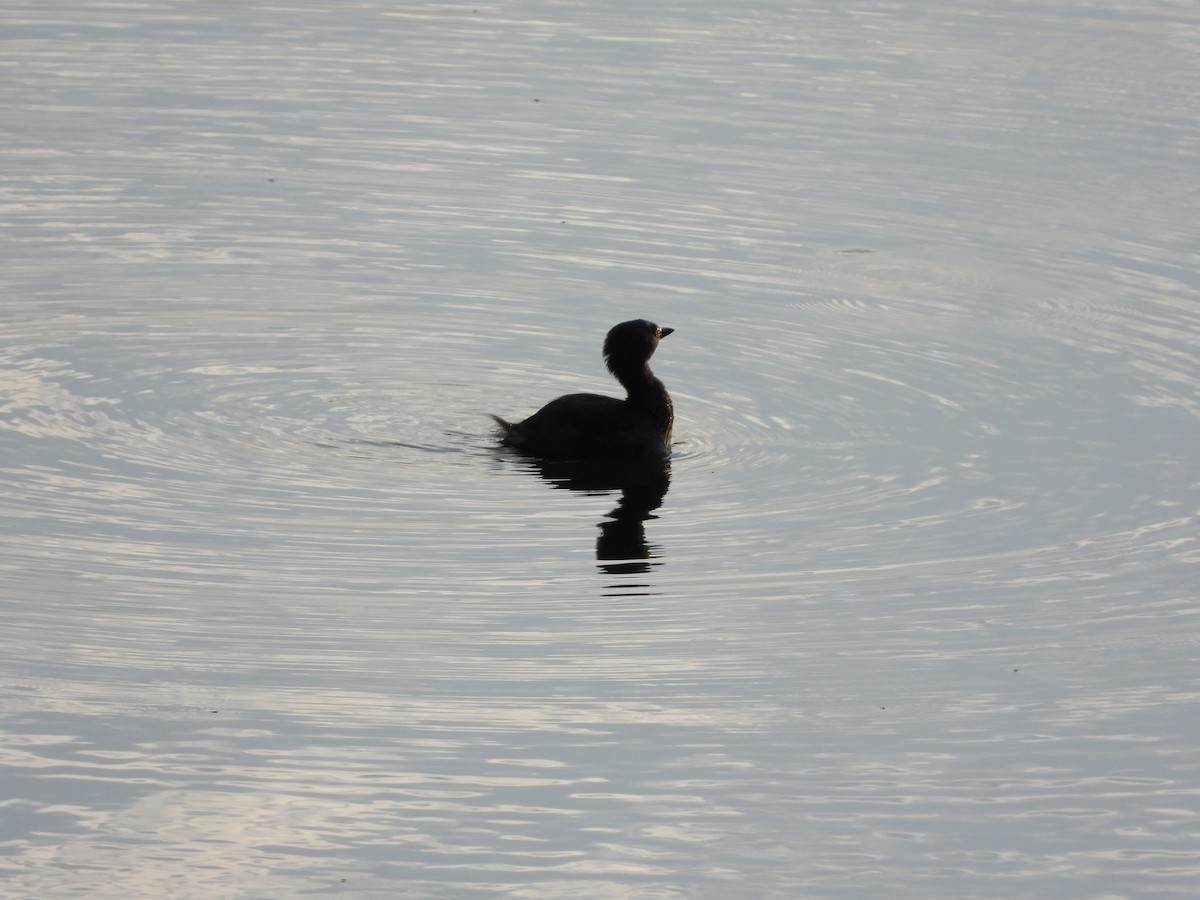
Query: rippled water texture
911	613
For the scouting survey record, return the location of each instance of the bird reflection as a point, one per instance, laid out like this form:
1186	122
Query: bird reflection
621	548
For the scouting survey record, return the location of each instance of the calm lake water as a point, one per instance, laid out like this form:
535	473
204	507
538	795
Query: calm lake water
914	611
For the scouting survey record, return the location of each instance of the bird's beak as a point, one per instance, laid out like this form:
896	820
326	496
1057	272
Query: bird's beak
663	332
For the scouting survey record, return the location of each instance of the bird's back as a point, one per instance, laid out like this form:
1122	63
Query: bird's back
587	426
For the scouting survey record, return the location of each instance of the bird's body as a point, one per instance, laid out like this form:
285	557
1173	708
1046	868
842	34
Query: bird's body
592	426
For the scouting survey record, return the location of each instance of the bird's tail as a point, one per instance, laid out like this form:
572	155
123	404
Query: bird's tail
506	427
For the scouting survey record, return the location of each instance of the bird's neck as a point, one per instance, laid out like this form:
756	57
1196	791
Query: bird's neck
643	388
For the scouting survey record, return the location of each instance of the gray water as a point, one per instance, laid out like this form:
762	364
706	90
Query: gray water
914	612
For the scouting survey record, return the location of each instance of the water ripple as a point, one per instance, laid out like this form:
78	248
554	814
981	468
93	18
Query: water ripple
908	612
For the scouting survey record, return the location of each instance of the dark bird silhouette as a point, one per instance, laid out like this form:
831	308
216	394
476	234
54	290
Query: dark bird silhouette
591	426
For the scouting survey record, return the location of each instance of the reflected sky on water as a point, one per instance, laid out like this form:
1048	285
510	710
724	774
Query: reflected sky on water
910	613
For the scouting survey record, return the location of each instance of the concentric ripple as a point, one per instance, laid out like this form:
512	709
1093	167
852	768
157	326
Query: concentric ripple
910	612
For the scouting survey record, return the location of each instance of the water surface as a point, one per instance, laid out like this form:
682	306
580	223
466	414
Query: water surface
911	613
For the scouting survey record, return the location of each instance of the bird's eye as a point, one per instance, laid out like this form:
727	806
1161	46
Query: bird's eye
657	332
